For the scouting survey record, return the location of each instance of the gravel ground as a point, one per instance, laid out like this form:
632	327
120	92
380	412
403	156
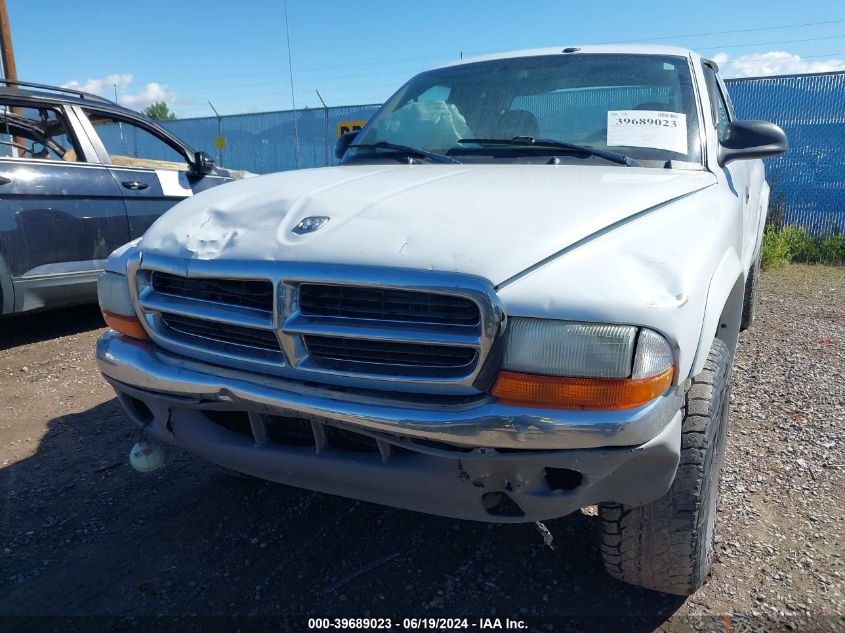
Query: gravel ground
82	534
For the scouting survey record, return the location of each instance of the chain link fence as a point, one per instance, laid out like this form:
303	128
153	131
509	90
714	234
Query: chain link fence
265	142
808	182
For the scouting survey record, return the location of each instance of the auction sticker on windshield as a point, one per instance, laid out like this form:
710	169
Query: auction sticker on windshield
647	128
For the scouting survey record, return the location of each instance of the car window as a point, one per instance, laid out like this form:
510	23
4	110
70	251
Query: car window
131	145
38	133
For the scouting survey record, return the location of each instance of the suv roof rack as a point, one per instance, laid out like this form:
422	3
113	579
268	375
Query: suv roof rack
71	91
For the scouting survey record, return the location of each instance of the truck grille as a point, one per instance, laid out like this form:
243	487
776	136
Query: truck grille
222	332
246	293
388	304
388	353
344	325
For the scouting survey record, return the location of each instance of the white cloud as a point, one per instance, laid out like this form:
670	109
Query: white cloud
773	63
126	96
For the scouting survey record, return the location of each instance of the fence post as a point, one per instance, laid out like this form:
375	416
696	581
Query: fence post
219	135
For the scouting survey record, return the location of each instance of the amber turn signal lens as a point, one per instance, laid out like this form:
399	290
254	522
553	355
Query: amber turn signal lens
550	392
128	325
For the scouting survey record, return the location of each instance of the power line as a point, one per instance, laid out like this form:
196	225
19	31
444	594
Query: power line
762	28
764	59
330	84
320	78
452	56
405	73
217	78
809	39
300	73
387	61
277	93
390	87
300	81
332	88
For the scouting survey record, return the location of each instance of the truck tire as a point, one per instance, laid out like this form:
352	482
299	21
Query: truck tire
667	545
749	303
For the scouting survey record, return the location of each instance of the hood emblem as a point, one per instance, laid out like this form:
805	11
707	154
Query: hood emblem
310	224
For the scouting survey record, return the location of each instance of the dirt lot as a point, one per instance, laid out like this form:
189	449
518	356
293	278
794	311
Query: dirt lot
82	534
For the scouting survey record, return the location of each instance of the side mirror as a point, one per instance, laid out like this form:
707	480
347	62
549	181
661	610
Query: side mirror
343	143
202	163
751	139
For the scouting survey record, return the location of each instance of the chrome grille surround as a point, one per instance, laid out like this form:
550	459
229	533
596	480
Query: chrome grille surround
291	326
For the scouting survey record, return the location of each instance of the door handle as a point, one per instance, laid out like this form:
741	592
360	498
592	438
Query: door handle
4	180
135	185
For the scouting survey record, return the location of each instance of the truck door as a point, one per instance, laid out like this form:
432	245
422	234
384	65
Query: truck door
738	172
754	217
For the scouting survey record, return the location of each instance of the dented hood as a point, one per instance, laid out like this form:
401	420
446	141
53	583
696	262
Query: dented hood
493	221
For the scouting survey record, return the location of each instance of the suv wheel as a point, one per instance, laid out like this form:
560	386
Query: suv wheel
667	545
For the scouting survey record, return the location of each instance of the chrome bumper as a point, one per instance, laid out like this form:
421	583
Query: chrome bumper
440	456
476	422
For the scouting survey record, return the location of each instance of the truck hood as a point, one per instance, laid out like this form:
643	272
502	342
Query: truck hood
493	221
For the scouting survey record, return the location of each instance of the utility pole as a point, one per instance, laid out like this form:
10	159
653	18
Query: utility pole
7	62
7	53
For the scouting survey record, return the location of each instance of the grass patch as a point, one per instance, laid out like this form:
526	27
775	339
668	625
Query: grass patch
788	243
795	244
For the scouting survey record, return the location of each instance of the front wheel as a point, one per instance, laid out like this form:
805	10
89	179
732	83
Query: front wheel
667	545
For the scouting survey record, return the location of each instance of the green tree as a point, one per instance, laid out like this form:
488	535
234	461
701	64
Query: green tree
159	111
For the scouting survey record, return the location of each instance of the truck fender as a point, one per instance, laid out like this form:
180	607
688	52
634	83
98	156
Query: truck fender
723	310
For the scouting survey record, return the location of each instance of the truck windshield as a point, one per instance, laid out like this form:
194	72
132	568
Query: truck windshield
642	106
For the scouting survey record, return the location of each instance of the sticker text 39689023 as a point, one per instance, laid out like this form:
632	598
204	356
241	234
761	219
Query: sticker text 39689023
647	128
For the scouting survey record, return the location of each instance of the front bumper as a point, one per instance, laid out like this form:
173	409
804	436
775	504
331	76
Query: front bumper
462	457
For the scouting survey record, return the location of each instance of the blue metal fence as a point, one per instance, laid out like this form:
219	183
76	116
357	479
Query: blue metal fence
264	142
808	182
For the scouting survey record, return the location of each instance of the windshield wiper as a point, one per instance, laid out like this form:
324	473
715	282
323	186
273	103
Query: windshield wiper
411	151
530	141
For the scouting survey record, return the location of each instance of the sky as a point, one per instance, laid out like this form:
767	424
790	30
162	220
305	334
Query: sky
235	54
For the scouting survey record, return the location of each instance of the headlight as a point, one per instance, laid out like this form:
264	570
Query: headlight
566	365
116	305
560	348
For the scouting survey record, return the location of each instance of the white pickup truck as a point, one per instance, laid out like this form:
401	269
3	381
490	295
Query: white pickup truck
517	295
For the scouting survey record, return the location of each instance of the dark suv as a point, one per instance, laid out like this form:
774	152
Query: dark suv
80	176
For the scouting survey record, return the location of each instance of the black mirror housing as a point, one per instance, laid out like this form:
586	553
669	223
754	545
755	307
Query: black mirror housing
745	140
202	163
343	143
